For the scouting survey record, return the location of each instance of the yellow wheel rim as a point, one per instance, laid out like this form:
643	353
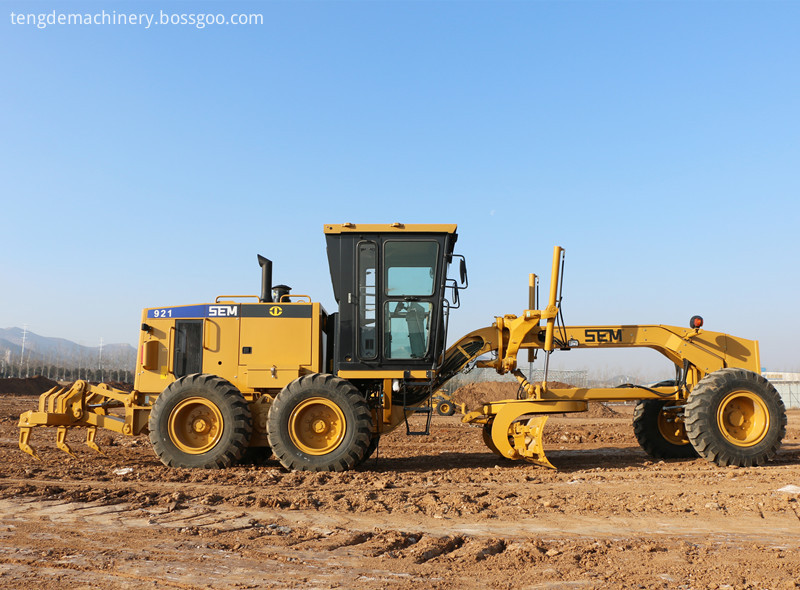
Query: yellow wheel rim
444	407
743	418
195	425
317	426
671	428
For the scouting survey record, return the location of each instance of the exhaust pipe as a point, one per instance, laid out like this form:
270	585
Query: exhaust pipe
266	279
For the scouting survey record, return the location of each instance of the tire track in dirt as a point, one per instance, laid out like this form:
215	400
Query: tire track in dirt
755	528
97	545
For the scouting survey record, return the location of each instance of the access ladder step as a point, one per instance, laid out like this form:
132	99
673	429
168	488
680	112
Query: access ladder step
428	411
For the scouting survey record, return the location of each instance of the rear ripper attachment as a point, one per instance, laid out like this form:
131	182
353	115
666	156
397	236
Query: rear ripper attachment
84	406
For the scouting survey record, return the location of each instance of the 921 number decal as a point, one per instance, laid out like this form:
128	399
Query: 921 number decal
162	313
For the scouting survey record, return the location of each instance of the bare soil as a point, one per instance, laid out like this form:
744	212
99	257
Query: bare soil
430	512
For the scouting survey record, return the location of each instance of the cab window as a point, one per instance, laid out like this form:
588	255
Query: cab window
367	345
409	271
410	268
407	327
188	351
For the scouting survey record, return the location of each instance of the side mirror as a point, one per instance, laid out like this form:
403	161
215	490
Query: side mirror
462	271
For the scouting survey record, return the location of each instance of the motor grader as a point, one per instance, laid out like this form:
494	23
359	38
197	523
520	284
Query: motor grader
278	372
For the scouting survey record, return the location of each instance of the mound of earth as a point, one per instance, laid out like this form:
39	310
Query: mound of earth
598	410
30	386
476	394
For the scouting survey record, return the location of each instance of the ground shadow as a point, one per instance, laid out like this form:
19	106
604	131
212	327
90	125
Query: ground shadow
566	460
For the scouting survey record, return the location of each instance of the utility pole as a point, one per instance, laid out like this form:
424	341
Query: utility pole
100	361
22	355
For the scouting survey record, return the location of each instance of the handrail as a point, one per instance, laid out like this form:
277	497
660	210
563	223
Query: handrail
171	351
290	295
236	296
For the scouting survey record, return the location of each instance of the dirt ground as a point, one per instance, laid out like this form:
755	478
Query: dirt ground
430	512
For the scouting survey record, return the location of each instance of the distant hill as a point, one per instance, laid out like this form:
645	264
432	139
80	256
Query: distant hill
61	352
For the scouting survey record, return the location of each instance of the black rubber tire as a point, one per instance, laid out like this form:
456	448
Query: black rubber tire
352	447
653	442
445	408
236	422
486	433
707	434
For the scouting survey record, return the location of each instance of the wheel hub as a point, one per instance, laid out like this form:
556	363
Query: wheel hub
672	428
317	426
736	418
200	426
195	425
743	418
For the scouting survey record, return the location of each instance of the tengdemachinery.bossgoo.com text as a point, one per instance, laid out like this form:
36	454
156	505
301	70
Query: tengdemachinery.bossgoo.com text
54	18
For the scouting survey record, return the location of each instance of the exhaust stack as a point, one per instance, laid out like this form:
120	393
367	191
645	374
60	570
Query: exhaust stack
266	279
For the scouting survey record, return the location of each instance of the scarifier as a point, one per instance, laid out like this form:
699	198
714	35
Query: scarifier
277	373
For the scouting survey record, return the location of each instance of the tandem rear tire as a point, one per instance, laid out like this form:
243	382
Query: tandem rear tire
735	417
200	421
660	431
319	423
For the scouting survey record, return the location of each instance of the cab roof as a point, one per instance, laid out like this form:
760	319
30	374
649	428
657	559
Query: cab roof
435	228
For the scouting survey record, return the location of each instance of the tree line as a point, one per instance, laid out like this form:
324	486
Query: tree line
94	369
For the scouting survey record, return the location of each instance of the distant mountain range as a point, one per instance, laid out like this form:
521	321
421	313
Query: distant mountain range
61	352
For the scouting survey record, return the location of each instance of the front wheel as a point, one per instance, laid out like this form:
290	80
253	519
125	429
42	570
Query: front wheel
735	417
319	423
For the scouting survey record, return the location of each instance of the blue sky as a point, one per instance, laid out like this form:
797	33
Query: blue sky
658	142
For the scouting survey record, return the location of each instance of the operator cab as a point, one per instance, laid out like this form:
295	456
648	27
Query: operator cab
389	282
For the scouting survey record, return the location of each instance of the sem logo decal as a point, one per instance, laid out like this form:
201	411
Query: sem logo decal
604	335
222	311
275	310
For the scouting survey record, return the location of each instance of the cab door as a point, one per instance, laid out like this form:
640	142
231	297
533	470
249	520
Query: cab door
188	348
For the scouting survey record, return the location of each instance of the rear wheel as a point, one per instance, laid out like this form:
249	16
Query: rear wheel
319	423
200	421
660	430
735	417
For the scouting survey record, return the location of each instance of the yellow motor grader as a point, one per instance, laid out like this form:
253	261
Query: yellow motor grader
277	373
